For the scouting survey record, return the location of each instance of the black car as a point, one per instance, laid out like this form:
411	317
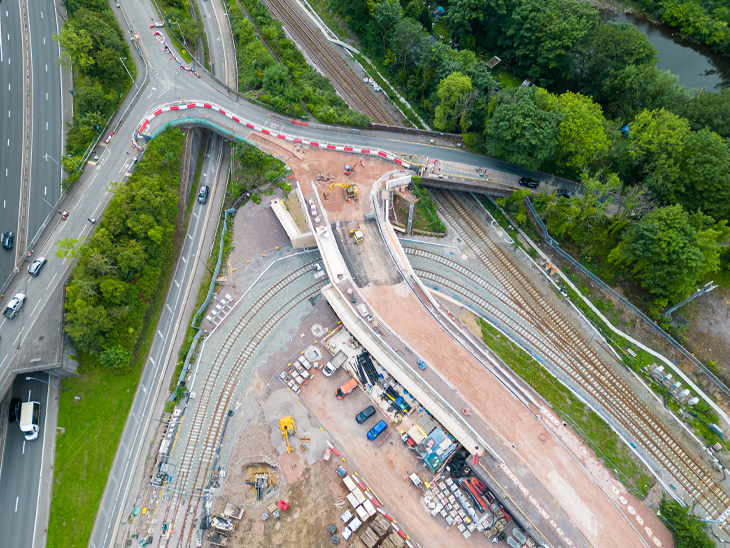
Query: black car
203	194
528	182
562	193
8	240
365	414
14	415
35	268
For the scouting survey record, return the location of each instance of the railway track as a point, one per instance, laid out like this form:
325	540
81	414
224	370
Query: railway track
206	429
336	70
576	358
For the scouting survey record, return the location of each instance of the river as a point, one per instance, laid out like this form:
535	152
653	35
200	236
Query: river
696	65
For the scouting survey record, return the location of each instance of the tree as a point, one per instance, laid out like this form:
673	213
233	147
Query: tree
688	530
276	79
90	99
581	214
115	356
658	139
710	110
407	38
582	135
386	15
540	35
669	251
611	47
523	127
76	48
451	92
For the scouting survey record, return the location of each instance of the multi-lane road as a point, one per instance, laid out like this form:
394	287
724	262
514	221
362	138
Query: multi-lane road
45	125
18	500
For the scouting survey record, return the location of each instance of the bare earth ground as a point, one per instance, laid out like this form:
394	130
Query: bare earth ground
317	161
589	506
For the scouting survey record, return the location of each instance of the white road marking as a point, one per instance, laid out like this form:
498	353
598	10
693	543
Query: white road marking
54	277
45	190
46	68
46	97
46	125
16	498
36	306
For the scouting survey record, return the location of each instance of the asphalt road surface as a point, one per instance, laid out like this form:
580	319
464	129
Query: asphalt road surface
19	478
11	125
45	174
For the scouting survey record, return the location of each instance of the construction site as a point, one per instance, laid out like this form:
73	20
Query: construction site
343	394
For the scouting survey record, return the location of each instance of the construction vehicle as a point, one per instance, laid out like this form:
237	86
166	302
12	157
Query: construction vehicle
286	425
350	190
349	170
355	232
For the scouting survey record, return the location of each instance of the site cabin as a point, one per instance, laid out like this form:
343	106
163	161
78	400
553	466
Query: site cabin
30	415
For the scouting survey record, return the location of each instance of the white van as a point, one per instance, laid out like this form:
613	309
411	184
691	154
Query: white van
30	416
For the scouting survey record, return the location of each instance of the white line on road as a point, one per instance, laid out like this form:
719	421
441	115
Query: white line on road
144	389
15	341
54	277
183	258
5	358
36	306
17	498
176	284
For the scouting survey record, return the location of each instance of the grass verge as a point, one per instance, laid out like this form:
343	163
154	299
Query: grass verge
593	430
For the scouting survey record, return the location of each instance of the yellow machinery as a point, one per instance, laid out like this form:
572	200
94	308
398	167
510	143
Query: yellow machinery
355	232
350	190
286	425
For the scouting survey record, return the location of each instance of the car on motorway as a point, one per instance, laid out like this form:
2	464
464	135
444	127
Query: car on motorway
376	430
529	182
203	194
14	415
8	240
563	193
14	306
35	268
365	414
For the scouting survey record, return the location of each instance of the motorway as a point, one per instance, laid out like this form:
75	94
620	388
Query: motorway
11	128
19	489
47	123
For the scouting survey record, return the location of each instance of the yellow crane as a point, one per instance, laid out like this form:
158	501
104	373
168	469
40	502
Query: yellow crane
287	427
350	190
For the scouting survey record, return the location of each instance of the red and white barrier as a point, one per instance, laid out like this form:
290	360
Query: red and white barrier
283	136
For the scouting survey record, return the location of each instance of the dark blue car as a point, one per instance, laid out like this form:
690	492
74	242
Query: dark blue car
376	430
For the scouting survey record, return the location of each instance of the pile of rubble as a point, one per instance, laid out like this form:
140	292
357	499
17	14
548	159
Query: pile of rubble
323	177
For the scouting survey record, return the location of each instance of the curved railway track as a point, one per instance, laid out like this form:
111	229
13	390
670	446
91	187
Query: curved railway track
341	76
214	421
581	362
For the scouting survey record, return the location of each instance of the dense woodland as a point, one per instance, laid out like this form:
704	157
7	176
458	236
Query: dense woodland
92	44
121	267
656	200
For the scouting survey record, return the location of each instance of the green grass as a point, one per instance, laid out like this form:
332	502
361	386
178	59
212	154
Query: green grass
84	454
334	23
505	78
593	430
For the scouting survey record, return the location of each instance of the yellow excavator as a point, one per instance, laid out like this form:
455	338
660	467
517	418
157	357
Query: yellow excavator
350	190
286	425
